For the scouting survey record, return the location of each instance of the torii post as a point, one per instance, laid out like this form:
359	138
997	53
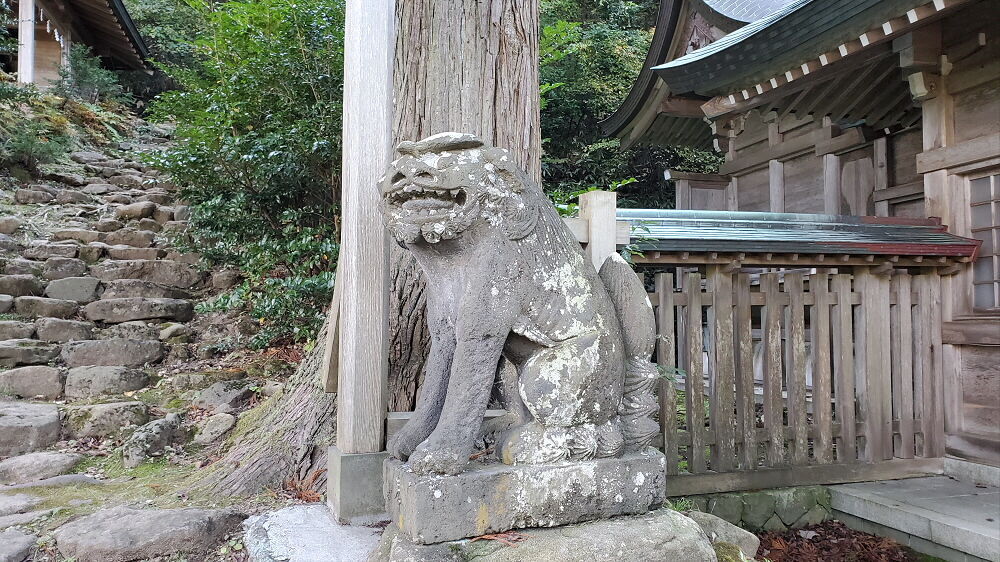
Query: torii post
355	462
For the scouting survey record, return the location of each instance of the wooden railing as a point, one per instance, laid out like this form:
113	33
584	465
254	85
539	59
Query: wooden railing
797	377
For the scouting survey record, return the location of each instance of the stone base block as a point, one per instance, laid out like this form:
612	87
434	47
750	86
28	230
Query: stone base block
495	497
354	486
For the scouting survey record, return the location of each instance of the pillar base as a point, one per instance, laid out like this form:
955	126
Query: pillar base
354	486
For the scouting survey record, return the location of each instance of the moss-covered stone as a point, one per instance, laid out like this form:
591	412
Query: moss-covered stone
726	552
774	524
758	507
792	503
726	506
814	516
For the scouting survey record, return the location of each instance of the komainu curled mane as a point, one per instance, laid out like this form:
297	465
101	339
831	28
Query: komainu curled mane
508	282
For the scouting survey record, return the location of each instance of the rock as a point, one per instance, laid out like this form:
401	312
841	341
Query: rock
60	268
9	225
720	530
182	213
126	180
58	330
150	225
26	427
14	330
774	524
78	234
32	197
21	266
36	466
86	382
9	245
816	515
729	507
87	157
62	480
139	210
163	214
131	237
69	196
224	397
17	503
42	250
214	427
26	352
66	177
6	303
175	333
40	307
92	253
122	534
118	198
99	188
131	288
792	503
163	272
114	311
757	509
32	382
76	289
16	546
298	532
151	440
133	253
107	225
136	330
42	187
21	285
225	279
104	420
20	519
125	352
660	535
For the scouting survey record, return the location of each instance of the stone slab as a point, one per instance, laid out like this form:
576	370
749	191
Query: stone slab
494	497
306	533
354	486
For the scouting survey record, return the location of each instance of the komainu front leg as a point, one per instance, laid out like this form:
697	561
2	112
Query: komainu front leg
431	398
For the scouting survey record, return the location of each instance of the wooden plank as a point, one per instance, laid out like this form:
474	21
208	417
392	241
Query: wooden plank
795	372
985	331
694	176
902	366
776	186
696	484
746	415
598	209
974	150
329	371
876	405
831	184
843	368
369	47
723	399
694	387
682	194
772	371
819	320
666	358
912	189
933	427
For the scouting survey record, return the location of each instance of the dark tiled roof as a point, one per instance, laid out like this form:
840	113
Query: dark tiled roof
747	10
784	233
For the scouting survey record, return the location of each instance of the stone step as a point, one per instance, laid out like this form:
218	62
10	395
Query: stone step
116	311
21	285
32	382
129	236
163	272
113	352
103	420
59	268
27	427
89	382
17	352
44	307
22	266
935	515
31	467
43	250
59	330
76	289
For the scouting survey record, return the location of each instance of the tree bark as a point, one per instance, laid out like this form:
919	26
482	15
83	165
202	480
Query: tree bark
467	66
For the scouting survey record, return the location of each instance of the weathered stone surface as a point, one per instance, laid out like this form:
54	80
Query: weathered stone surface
61	268
114	311
151	440
9	245
17	503
16	545
139	210
104	420
122	534
159	197
182	212
126	180
133	253
41	307
21	266
660	535
26	427
9	225
58	330
26	352
87	157
92	252
6	303
36	466
214	427
43	187
98	188
728	507
175	333
69	196
85	382
32	197
297	533
150	225
720	530
163	272
225	279
163	214
225	396
119	198
76	289
64	176
14	330
774	524
130	237
78	234
757	509
792	503
431	508
107	225
42	250
137	330
131	288
21	285
125	352
37	381
20	519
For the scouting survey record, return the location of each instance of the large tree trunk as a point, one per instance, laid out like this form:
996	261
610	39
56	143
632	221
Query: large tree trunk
461	65
467	66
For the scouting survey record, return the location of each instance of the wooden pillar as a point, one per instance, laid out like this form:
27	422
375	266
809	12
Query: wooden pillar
776	183
831	184
598	209
26	41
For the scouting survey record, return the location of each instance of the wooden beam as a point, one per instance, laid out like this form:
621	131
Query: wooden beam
984	331
776	186
598	209
26	41
973	150
708	178
906	190
363	268
681	107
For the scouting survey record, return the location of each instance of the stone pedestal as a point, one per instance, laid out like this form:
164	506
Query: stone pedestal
492	498
354	486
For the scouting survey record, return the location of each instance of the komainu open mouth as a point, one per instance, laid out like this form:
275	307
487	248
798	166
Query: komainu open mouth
427	201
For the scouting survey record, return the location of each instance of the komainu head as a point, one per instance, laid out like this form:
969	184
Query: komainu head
446	184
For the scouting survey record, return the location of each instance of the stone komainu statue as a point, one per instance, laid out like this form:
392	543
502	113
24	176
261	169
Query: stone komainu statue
508	282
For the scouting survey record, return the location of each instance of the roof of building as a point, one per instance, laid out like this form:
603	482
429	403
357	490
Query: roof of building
746	10
106	27
788	233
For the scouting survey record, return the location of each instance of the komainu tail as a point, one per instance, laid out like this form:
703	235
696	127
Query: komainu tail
635	314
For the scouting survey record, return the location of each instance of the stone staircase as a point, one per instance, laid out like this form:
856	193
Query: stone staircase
91	295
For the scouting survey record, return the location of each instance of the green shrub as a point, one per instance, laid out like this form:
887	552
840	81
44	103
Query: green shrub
32	143
258	153
84	79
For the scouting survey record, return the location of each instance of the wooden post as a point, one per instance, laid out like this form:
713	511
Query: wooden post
666	358
831	184
723	400
355	477
26	41
776	183
598	209
694	387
